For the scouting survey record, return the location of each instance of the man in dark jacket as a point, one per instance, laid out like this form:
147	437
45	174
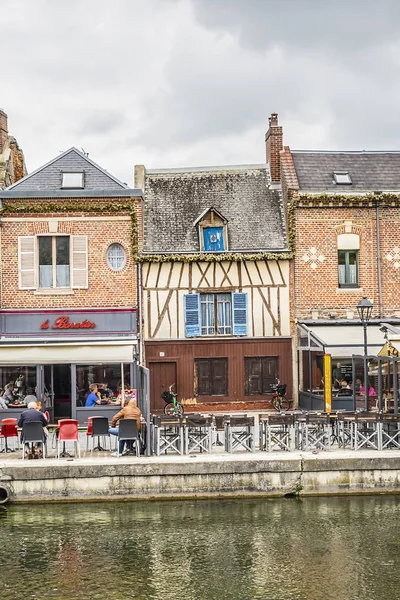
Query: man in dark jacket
32	414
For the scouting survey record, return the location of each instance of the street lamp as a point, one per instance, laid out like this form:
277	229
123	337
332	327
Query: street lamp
364	309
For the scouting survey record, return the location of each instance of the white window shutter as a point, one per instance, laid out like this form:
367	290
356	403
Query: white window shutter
79	261
27	262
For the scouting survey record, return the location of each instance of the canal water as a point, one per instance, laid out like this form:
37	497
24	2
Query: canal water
279	549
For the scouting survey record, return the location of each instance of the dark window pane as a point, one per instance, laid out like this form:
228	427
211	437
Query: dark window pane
62	250
260	374
212	376
45	254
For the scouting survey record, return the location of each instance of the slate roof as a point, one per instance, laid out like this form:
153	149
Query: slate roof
369	171
48	177
174	199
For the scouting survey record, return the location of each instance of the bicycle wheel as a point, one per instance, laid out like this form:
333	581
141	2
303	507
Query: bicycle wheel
276	403
284	402
169	409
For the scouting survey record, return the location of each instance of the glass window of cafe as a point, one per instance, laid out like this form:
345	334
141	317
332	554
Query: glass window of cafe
57	382
22	378
108	378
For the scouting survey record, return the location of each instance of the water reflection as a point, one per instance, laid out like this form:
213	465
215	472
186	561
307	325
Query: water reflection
314	549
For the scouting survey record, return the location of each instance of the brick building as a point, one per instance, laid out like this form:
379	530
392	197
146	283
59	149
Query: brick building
69	236
344	212
215	281
12	161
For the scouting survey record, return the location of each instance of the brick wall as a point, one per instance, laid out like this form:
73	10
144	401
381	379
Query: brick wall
274	145
106	288
316	287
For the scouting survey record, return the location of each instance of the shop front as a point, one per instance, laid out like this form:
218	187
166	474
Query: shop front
56	355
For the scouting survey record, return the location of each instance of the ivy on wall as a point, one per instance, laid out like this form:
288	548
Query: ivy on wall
68	206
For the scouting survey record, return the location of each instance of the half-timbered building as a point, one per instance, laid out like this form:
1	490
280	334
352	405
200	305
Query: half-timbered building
215	282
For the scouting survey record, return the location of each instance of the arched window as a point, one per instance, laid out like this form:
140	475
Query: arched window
116	257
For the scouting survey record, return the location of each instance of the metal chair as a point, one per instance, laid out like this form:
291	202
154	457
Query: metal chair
390	431
239	433
344	428
168	434
276	432
317	432
198	433
33	433
367	430
99	428
218	425
9	429
68	432
128	431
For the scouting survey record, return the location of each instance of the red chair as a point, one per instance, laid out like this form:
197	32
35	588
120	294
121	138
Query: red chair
47	415
9	429
68	432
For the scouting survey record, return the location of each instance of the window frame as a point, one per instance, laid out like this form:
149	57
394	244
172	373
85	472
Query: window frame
222	230
346	284
72	187
125	258
217	300
54	261
263	365
212	361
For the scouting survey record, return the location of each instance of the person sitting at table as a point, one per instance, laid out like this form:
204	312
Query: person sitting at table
30	397
371	391
3	403
345	389
129	411
93	397
27	416
9	397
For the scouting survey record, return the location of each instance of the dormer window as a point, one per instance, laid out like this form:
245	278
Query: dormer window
212	231
72	180
213	239
342	178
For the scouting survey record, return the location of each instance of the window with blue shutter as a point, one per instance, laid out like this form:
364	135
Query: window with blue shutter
239	304
213	239
192	315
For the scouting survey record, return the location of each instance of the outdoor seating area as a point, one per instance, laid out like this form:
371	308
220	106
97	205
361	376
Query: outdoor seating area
196	433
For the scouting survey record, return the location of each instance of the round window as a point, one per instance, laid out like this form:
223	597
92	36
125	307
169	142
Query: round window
116	257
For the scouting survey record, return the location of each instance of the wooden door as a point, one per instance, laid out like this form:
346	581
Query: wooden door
162	375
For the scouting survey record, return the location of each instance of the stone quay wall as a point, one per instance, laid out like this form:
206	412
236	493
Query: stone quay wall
197	477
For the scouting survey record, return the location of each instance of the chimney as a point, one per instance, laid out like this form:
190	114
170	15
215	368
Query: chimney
274	145
139	176
3	130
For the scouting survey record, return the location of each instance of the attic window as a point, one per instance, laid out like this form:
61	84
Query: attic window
72	180
342	178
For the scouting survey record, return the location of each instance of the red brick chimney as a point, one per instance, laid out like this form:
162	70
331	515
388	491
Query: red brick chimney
274	145
3	129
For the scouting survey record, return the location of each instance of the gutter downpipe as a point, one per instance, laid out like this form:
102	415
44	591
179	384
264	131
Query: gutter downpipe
139	323
378	259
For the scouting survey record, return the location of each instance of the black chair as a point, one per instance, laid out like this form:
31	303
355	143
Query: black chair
33	433
128	431
100	430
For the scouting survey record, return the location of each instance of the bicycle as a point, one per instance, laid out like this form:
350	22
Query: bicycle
172	408
279	400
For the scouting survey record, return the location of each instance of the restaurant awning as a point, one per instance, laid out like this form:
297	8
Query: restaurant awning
67	352
343	340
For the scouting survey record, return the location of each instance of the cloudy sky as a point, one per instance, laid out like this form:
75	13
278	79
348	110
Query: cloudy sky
170	83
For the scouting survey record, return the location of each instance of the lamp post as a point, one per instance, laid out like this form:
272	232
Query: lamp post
364	309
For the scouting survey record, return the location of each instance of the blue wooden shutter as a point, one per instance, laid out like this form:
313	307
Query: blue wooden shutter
213	238
239	305
192	315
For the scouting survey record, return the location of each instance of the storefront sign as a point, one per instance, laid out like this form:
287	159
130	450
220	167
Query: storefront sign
59	322
328	382
65	323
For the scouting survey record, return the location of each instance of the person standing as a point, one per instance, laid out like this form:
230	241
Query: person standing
337	376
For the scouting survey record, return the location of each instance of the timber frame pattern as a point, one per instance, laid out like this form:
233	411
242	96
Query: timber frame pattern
164	286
